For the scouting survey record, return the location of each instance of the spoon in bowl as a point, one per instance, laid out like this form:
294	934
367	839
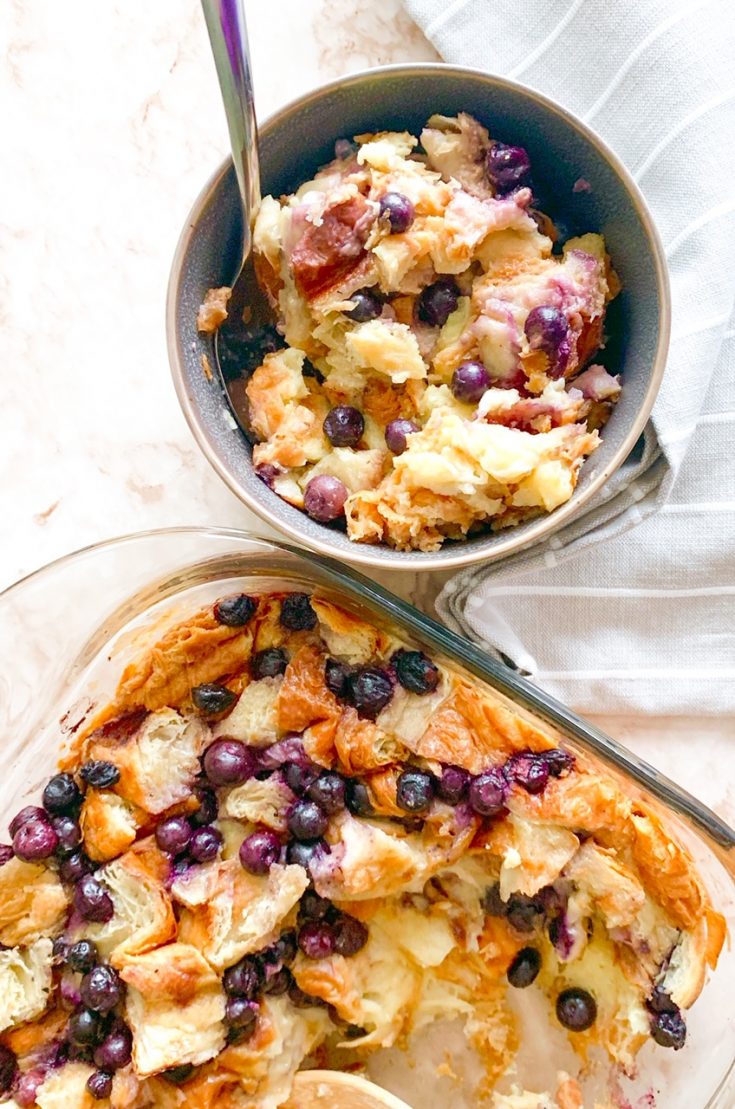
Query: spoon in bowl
247	307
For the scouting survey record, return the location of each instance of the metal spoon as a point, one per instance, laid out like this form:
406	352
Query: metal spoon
228	38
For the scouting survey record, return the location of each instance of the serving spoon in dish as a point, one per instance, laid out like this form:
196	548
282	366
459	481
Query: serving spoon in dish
327	1089
248	311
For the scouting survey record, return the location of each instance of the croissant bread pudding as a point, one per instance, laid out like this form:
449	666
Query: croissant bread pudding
430	374
293	840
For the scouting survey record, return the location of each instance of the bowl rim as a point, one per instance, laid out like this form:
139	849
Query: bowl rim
468	552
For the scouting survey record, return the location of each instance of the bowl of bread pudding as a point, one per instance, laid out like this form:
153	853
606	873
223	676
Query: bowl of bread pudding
468	319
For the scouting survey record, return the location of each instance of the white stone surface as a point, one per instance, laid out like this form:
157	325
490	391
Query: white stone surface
110	124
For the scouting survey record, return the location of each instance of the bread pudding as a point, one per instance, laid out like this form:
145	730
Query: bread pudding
432	373
293	839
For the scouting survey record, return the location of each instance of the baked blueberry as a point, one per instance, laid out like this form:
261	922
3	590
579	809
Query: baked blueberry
524	968
324	498
669	1030
507	167
470	381
296	612
61	795
8	1068
228	762
82	956
344	426
453	785
396	432
529	770
173	834
259	851
211	698
329	792
92	901
235	610
415	671
487	792
101	988
414	791
398	211
357	798
367	305
316	939
438	301
205	844
100	774
306	820
372	690
269	663
576	1009
350	935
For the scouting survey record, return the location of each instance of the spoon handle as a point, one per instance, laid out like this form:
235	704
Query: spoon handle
228	36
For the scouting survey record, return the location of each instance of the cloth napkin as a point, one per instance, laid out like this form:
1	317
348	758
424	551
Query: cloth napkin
644	621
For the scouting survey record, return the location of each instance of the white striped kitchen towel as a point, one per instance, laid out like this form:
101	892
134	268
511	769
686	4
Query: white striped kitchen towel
644	622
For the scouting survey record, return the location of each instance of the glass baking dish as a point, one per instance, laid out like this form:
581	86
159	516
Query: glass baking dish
67	630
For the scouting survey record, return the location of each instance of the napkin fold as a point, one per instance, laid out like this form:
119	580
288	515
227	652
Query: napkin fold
643	622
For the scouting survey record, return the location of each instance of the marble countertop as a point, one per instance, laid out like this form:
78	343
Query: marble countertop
111	124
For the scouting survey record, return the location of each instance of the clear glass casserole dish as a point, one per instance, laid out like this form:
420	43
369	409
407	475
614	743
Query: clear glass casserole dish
67	631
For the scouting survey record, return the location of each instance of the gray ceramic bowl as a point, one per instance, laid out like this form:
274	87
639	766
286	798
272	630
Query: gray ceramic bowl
299	138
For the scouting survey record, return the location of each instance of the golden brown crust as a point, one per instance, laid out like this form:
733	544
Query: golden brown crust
109	825
191	653
32	903
303	699
362	746
667	869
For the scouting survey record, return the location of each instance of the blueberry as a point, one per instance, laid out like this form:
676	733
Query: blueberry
337	679
269	663
30	812
529	770
284	950
205	844
314	907
241	1012
523	913
99	1085
8	1068
74	867
344	426
267	473
92	901
316	939
300	777
558	761
470	381
524	968
86	1028
398	210
358	798
487	792
60	950
414	791
344	149
259	851
27	1086
453	785
173	834
367	306
211	698
100	774
296	612
6	853
178	1075
415	671
115	1051
82	956
305	854
101	989
350	935
396	432
324	498
35	840
244	979
660	1002
69	834
372	690
278	983
547	329
438	301
228	762
328	791
669	1030
235	610
576	1009
306	820
290	749
507	167
61	795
